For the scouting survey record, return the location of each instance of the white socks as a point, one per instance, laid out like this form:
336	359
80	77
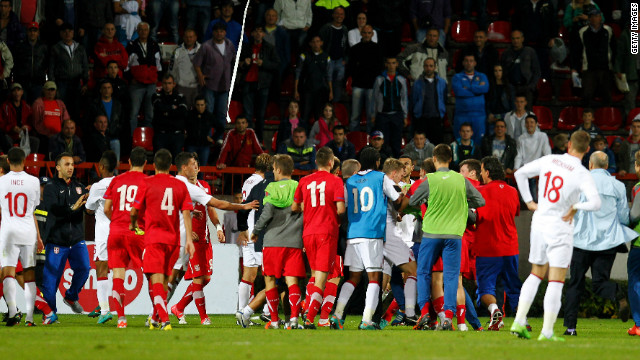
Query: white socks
244	292
345	293
410	295
103	296
492	307
29	298
552	304
247	312
371	301
9	288
527	294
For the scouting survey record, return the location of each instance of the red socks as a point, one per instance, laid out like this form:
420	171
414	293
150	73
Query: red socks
424	311
391	310
461	313
186	299
41	304
198	299
309	292
330	292
117	293
438	304
273	299
294	300
160	301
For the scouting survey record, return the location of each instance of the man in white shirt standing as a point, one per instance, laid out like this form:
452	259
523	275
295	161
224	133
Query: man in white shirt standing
19	234
531	145
562	180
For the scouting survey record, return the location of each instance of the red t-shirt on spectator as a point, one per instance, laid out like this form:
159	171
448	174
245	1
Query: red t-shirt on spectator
52	116
496	233
252	74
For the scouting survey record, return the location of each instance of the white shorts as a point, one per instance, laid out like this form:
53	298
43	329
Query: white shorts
100	250
396	251
10	253
554	247
183	260
250	257
366	255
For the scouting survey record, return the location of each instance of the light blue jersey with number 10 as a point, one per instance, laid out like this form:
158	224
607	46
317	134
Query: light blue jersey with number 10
366	205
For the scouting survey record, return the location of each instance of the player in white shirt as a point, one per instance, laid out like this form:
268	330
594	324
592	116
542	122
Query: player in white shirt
562	179
95	204
19	234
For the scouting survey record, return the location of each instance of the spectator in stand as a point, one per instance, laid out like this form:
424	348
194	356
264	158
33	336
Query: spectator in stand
240	146
112	109
66	141
522	67
628	149
355	35
11	32
69	68
342	148
428	99
435	14
593	53
198	16
486	54
285	130
262	7
575	14
120	92
391	104
588	126
143	68
213	67
33	57
182	68
259	63
48	114
108	48
29	11
376	141
386	16
500	145
278	37
94	15
313	81
169	120
364	65
300	149
159	8
469	87
500	97
127	18
411	60
560	144
233	28
532	145
418	149
6	65
322	130
295	16
627	64
16	117
600	144
97	141
464	148
515	119
65	12
199	123
537	19
334	39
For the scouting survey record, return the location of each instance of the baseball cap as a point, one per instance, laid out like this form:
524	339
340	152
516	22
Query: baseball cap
33	25
50	85
593	11
16	86
377	134
44	180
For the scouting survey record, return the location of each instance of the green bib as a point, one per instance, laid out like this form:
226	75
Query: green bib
280	193
447	207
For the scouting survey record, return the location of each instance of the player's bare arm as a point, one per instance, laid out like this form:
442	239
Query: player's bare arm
80	202
188	246
134	219
107	208
243	238
225	205
39	244
340	208
213	216
532	205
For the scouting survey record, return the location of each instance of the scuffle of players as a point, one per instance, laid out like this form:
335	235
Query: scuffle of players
414	239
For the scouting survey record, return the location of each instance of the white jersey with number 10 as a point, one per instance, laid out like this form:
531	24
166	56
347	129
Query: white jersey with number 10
19	196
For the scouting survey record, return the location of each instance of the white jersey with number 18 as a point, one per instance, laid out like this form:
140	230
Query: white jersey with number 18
19	196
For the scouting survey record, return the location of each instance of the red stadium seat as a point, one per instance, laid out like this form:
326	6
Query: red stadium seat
632	114
273	141
462	31
608	118
407	34
340	111
545	92
235	109
499	32
545	117
616	29
492	8
272	115
34	170
359	139
570	117
143	136
287	85
566	92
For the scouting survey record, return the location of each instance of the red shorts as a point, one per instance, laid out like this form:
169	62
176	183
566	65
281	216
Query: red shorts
282	261
336	272
123	248
464	260
159	258
321	251
201	264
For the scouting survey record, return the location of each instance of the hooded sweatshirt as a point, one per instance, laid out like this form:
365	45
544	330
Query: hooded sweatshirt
531	147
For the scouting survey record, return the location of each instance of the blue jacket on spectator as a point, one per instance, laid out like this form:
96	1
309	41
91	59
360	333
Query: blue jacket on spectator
234	29
417	96
470	93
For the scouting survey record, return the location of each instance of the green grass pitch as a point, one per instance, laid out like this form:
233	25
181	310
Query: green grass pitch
79	337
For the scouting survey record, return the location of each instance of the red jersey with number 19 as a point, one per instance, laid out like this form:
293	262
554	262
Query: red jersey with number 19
319	192
163	197
122	191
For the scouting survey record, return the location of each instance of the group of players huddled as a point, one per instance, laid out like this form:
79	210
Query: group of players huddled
418	238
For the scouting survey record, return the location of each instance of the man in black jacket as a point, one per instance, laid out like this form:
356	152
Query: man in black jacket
64	200
313	81
259	63
501	146
110	107
170	112
32	55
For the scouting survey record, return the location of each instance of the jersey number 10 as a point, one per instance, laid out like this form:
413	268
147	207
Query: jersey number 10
366	199
13	204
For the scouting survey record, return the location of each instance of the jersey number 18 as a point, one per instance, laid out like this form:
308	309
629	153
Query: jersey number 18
552	193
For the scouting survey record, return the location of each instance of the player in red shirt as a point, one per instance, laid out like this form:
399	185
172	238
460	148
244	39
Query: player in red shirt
321	197
123	245
163	197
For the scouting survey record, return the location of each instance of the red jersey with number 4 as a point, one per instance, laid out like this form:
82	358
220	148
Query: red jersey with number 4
200	226
122	192
319	192
496	231
163	197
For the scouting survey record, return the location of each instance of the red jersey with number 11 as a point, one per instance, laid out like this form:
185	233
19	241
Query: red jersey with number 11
122	192
319	192
163	197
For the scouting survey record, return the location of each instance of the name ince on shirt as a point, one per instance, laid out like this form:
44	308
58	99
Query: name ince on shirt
17	182
563	165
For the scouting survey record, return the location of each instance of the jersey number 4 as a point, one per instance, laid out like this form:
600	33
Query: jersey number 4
127	195
552	193
366	199
312	188
14	209
167	201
